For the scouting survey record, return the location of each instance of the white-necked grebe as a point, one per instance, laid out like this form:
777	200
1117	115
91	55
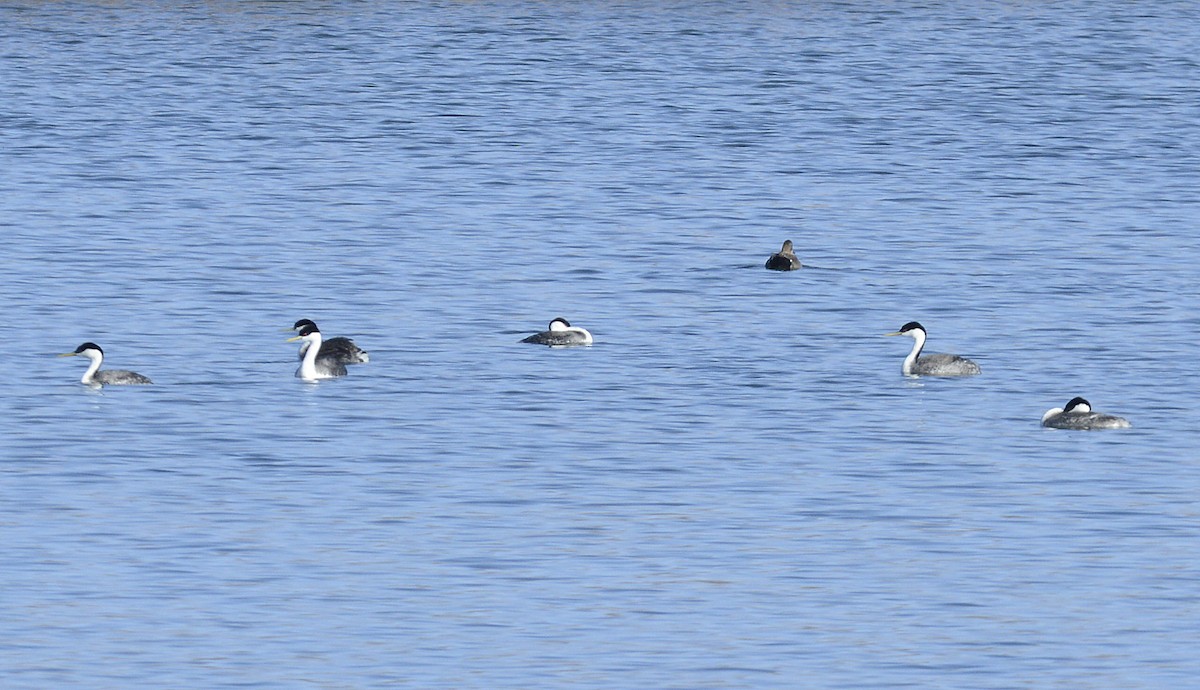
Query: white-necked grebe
931	365
108	377
341	349
313	366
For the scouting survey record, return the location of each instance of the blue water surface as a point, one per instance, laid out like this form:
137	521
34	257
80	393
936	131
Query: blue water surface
735	487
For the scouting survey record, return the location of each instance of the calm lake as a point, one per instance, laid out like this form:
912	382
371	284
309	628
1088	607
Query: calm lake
734	487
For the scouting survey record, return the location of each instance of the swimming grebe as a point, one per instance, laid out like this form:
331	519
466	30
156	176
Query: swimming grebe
343	350
108	377
1078	415
313	366
931	365
561	334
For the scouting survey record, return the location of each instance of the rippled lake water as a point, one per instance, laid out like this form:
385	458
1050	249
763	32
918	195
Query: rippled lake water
734	487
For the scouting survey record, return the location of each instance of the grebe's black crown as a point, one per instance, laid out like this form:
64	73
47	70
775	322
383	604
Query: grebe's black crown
302	323
1076	402
911	326
88	346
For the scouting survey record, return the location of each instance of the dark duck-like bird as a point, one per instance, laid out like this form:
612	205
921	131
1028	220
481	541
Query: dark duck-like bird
784	260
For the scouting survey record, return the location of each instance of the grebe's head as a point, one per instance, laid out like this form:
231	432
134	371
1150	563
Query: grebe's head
307	332
302	323
1078	405
787	247
559	324
911	328
91	350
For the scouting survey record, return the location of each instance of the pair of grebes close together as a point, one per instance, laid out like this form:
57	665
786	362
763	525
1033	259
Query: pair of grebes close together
326	359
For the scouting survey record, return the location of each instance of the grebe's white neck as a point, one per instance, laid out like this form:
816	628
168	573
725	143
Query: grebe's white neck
308	365
97	357
918	335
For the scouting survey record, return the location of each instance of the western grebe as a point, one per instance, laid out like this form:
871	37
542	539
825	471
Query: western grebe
313	366
784	260
1078	415
342	349
932	365
561	334
109	377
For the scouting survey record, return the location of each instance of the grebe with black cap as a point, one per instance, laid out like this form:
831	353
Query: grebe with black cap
561	334
931	365
314	366
341	349
1078	415
108	377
